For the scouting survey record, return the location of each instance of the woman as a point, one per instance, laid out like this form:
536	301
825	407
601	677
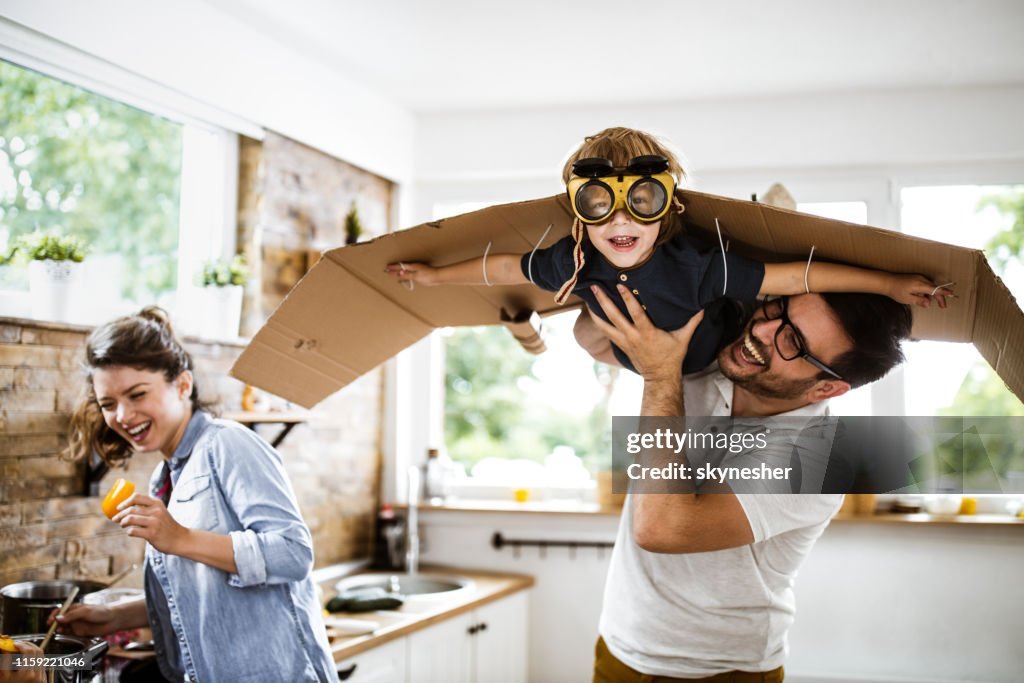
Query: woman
228	557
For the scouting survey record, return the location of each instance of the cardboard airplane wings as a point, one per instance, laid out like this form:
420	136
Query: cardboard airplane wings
346	316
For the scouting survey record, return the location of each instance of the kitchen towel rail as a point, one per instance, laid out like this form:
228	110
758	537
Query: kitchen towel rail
498	541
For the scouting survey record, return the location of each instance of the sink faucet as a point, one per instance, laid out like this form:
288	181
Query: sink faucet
412	534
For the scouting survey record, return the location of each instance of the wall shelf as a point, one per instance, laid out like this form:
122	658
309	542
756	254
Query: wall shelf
288	420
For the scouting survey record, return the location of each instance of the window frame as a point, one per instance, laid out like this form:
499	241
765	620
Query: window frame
207	216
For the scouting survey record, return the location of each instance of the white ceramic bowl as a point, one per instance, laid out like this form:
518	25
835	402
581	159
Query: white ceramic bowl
942	504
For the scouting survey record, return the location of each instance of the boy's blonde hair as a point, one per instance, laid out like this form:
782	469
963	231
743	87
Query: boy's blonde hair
619	145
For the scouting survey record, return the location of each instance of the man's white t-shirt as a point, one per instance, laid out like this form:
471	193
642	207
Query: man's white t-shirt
698	614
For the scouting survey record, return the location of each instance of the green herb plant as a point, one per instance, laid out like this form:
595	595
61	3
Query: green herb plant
39	246
353	226
222	273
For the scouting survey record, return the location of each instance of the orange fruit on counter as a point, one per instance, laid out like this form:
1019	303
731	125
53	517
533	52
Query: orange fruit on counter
120	492
968	506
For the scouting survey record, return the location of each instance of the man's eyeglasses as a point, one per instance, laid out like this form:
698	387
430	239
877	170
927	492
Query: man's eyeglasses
789	342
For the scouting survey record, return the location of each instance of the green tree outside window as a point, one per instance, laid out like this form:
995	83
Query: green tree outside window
76	163
487	413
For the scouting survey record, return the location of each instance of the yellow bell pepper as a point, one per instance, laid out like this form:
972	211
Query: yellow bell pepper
121	491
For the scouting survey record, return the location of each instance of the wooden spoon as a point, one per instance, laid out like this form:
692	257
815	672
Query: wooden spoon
60	613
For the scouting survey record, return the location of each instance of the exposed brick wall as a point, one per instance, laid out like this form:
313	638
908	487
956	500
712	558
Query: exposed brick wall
294	203
48	529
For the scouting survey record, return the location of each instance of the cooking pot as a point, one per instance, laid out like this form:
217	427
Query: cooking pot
25	606
90	650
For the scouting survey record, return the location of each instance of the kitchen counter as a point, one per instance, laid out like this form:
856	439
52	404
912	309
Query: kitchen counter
420	612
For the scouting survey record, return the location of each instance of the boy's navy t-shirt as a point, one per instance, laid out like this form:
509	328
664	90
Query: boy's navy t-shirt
681	277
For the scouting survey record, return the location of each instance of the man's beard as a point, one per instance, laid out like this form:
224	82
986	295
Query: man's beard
762	383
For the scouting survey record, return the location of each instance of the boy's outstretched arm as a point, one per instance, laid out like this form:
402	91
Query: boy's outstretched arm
788	278
502	269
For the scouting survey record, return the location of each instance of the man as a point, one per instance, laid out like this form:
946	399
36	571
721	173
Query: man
700	585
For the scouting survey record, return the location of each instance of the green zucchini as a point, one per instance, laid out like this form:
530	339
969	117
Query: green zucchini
364	600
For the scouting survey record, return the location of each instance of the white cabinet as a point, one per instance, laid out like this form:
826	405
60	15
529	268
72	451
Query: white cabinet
441	653
383	664
499	645
487	645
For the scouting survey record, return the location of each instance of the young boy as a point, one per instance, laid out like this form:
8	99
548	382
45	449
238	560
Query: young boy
621	185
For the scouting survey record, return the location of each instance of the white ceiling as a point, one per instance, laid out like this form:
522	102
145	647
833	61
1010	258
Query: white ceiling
471	54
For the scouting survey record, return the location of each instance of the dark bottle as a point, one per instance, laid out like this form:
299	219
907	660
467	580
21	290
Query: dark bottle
389	541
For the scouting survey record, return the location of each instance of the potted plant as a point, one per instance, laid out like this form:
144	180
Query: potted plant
55	274
222	286
353	226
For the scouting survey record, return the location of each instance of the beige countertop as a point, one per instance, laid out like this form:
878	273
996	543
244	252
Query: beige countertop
418	613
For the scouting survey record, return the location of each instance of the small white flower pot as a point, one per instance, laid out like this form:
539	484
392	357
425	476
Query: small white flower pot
55	289
221	311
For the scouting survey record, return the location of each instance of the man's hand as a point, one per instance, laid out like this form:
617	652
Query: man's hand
656	354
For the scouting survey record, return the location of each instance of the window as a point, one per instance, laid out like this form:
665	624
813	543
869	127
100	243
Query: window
856	401
122	179
979	217
510	415
990	218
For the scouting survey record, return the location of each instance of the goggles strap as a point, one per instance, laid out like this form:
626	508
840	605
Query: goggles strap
529	262
807	270
577	260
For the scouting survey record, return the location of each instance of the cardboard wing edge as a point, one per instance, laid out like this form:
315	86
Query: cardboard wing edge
999	328
313	344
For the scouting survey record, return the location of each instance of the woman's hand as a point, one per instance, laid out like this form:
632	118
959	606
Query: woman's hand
917	290
147	517
33	675
416	273
86	620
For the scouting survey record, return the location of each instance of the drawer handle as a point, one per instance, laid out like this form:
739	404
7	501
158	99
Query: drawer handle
346	674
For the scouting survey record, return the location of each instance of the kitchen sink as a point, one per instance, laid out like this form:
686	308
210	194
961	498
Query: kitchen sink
407	585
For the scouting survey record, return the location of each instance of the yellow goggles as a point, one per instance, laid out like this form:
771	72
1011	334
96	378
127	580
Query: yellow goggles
643	187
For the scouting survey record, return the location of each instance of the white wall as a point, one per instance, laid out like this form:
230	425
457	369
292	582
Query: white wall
209	55
875	602
734	146
893	602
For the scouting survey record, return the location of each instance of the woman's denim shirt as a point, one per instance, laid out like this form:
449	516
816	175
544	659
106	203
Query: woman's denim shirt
263	623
